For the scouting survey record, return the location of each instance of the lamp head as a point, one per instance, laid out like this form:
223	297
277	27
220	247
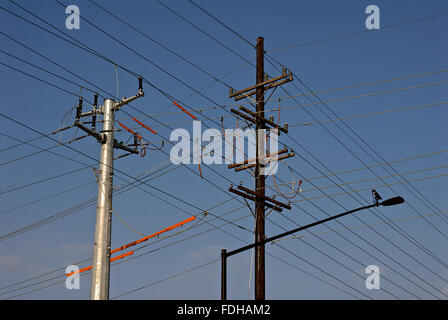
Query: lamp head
392	201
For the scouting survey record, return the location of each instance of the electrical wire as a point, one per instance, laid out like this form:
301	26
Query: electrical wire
362	226
346	35
287	93
207	108
441	103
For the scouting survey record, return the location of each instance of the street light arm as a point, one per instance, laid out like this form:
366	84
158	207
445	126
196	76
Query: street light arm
225	254
388	202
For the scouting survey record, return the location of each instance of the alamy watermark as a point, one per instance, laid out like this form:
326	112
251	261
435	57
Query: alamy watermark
72	21
373	20
226	146
72	281
373	280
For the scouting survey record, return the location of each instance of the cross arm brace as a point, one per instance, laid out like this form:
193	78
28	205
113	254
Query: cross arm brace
237	93
242	194
256	115
101	138
259	195
120	145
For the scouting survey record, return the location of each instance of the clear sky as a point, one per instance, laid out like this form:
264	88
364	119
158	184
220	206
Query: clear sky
327	46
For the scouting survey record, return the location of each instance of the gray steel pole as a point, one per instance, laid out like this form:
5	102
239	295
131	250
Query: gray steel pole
101	248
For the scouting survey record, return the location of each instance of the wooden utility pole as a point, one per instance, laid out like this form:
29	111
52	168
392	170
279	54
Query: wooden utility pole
259	195
259	179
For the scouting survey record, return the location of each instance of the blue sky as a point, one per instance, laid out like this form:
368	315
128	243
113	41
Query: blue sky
288	27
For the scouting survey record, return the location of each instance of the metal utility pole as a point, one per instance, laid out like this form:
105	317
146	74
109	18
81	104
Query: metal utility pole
102	243
101	246
258	195
259	179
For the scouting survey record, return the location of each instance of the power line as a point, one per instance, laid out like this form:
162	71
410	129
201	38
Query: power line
303	124
33	153
85	260
402	232
205	33
187	167
346	35
311	93
177	14
364	151
36	78
282	261
364	225
42	69
153	187
401	265
388	256
46	197
134	257
360	237
190	23
357	85
370	188
184	19
383	177
423	155
151	243
222	23
80	45
436	104
341	264
44	180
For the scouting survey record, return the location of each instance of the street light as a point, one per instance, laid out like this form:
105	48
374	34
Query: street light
224	254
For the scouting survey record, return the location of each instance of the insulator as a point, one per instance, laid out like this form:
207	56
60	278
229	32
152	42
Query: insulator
94	122
79	109
140	83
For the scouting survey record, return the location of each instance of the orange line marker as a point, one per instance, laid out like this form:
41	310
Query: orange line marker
122	256
135	134
144	126
183	109
174	226
153	235
80	270
111	260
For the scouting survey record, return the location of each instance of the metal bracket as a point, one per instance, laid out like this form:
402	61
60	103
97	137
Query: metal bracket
255	86
261	196
120	145
101	138
231	166
264	120
125	100
271	83
253	198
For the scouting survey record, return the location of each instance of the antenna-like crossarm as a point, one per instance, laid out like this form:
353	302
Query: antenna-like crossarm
125	100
